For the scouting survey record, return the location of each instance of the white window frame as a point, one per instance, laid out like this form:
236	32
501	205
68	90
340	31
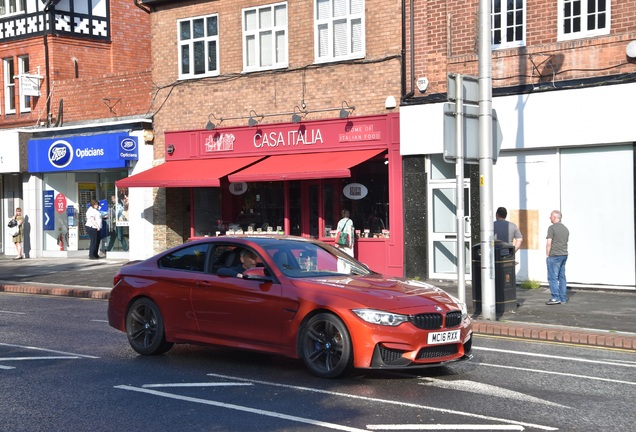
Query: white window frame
12	7
584	16
265	45
506	22
23	68
9	85
192	42
328	19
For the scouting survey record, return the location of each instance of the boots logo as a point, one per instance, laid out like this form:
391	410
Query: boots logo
60	154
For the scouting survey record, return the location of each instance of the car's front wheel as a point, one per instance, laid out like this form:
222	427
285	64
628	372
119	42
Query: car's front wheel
145	328
326	346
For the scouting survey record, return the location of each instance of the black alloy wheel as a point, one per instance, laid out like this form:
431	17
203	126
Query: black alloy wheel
145	328
326	346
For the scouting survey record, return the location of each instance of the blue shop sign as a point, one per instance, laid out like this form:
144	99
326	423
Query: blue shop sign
79	153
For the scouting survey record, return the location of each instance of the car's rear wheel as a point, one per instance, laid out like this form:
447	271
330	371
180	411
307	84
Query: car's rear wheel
145	328
326	346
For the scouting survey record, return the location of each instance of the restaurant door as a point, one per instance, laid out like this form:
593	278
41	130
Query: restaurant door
304	208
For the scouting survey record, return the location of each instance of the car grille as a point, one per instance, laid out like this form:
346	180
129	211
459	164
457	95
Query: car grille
433	321
453	319
437	351
390	356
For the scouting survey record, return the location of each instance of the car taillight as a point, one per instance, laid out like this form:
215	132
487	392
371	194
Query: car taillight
117	279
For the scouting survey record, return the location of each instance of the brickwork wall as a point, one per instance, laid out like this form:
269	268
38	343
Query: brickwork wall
83	72
185	105
446	41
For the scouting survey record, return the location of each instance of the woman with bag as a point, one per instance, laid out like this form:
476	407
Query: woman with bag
17	234
345	234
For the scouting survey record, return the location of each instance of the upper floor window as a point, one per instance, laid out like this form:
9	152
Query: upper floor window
339	30
9	85
198	47
23	68
265	37
8	7
508	23
583	18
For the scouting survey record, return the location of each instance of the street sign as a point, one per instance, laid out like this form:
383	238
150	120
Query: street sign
471	134
48	214
470	86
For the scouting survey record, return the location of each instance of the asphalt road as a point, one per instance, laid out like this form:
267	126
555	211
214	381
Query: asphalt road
63	368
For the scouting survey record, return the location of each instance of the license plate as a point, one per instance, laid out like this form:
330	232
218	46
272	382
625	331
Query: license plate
443	337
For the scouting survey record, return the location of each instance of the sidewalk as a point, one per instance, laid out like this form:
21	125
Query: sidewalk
604	318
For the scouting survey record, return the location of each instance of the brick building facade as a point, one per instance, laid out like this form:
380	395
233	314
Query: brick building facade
89	65
561	86
301	81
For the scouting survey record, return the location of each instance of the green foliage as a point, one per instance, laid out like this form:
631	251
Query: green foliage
530	284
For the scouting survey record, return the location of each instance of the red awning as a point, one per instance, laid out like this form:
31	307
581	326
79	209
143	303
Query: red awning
187	173
306	166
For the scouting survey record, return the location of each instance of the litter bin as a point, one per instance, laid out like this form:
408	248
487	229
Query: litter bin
505	279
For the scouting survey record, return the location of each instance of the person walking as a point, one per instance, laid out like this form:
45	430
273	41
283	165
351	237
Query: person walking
345	236
93	227
17	239
556	250
505	231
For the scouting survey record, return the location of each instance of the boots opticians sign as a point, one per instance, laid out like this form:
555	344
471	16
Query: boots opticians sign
79	153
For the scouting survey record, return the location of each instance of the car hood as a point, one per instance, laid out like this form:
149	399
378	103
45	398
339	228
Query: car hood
377	292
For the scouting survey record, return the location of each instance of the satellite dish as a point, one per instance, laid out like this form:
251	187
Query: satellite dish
631	50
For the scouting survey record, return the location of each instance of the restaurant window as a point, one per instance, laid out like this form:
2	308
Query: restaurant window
198	47
265	37
365	194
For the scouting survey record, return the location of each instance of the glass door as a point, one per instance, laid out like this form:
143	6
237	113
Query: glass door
442	245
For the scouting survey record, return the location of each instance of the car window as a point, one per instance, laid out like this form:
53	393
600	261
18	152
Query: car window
191	258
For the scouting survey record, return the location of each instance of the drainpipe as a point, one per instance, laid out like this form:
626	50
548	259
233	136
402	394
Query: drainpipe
142	7
412	50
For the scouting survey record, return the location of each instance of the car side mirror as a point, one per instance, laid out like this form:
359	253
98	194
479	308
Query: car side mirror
258	273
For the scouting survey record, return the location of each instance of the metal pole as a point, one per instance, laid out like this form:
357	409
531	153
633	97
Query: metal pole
485	163
459	174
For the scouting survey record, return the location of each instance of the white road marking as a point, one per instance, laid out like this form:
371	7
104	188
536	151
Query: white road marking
389	402
244	409
101	321
38	358
208	384
47	350
14	313
6	367
486	389
558	373
608	363
440	427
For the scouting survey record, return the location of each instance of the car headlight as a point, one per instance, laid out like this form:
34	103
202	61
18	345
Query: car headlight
461	305
381	317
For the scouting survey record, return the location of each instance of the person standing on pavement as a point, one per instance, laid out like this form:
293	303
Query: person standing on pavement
556	250
93	226
17	239
345	234
505	231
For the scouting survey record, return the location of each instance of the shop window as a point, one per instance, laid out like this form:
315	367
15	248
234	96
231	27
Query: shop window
339	30
265	37
368	202
207	211
198	47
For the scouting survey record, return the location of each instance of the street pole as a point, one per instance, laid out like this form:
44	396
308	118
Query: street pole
486	162
459	174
